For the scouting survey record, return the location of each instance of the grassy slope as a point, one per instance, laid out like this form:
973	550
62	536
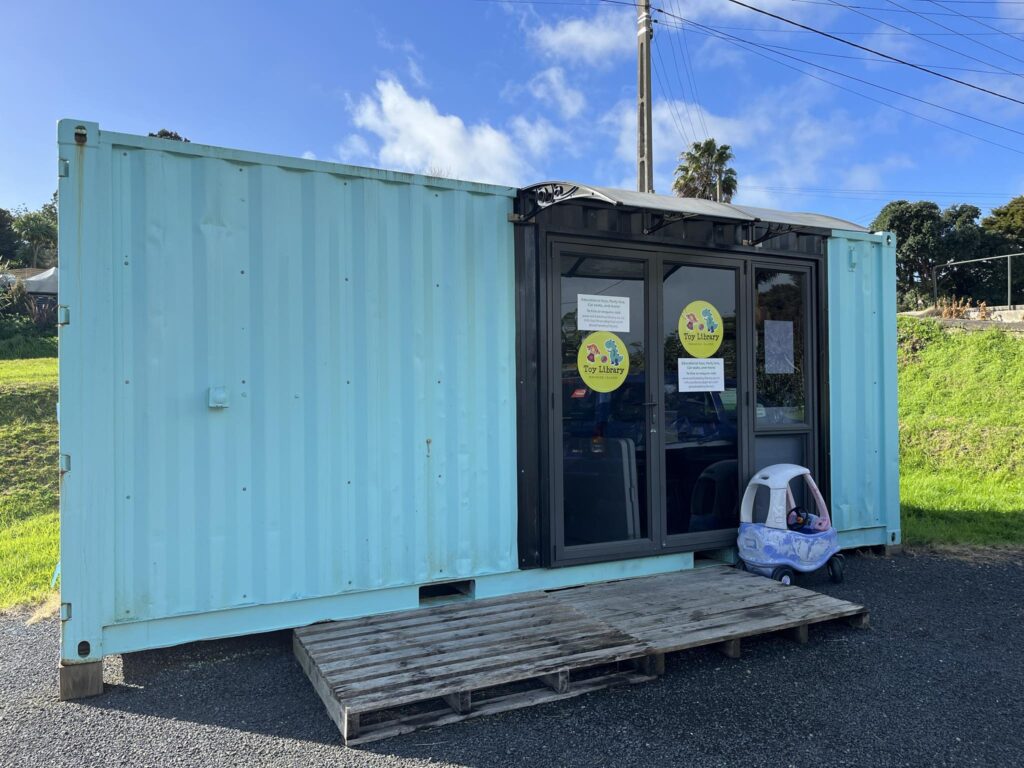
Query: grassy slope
961	453
28	479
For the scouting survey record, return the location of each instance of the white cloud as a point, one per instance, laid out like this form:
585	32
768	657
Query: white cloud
871	176
594	41
666	137
777	150
309	155
551	87
415	72
414	136
539	136
354	150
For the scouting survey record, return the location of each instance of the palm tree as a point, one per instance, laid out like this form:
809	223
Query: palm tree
704	172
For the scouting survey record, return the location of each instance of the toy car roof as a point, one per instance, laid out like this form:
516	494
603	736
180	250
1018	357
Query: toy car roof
779	475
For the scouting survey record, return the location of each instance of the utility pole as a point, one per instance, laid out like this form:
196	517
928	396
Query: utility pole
644	153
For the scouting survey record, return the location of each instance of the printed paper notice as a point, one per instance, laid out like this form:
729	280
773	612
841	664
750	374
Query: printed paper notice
701	374
778	346
602	313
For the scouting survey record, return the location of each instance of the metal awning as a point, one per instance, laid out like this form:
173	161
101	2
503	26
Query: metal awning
549	193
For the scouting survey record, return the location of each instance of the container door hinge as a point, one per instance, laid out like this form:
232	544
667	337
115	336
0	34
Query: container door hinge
63	315
63	169
65	462
65	611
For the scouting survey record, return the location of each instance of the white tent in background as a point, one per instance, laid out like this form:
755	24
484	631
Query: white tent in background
44	282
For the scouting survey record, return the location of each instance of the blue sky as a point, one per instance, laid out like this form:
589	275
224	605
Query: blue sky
517	92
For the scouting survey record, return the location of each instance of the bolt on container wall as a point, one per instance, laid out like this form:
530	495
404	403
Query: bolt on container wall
864	424
281	380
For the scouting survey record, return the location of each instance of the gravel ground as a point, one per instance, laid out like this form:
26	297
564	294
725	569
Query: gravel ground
938	680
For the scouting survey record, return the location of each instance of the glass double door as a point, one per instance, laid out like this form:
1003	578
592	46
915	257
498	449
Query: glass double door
651	376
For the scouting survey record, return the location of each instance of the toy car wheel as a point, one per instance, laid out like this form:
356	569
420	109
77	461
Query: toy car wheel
836	567
783	574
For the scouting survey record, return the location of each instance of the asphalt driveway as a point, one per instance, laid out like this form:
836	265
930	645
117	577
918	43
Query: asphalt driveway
938	680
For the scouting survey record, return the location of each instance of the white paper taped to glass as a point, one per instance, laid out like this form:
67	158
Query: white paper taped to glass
602	313
701	374
778	346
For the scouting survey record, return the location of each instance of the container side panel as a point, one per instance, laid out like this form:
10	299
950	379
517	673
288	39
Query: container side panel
87	390
862	382
309	375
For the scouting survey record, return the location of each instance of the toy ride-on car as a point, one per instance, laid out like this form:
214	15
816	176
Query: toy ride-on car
791	538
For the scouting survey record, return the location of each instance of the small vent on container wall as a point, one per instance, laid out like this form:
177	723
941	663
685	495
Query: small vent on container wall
432	594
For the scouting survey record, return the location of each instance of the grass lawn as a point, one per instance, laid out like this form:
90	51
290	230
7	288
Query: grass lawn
28	469
961	413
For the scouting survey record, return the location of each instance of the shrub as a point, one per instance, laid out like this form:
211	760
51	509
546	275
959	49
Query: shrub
914	334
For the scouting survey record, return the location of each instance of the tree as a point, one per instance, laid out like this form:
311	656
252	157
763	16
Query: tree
37	231
163	133
704	172
1008	222
926	237
9	240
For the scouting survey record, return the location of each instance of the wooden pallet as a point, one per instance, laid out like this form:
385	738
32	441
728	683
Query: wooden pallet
395	673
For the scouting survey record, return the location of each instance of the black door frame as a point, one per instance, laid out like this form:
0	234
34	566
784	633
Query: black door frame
549	497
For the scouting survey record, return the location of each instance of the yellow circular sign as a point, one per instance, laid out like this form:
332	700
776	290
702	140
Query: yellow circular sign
700	328
603	361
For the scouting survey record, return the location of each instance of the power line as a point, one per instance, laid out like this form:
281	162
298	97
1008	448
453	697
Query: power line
742	44
873	33
950	30
948	12
878	194
692	75
871	58
884	88
682	88
673	111
976	19
852	44
943	26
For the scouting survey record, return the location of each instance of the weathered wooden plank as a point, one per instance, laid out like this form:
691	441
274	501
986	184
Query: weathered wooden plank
77	681
481	670
385	699
448	651
416	616
859	620
493	706
323	690
557	681
460	702
395	645
731	648
799	634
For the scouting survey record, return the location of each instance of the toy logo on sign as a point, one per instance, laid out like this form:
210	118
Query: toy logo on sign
602	361
700	328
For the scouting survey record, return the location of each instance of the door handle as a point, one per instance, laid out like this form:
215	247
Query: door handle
653	406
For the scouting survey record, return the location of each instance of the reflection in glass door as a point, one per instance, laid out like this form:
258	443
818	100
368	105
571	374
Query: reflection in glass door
700	424
604	401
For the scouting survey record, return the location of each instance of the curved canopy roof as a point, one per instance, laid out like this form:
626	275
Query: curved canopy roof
552	192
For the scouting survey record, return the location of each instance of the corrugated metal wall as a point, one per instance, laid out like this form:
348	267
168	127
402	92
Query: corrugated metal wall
362	326
862	380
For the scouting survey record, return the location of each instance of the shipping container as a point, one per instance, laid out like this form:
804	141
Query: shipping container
294	391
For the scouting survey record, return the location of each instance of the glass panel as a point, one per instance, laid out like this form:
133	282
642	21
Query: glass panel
781	375
604	390
701	447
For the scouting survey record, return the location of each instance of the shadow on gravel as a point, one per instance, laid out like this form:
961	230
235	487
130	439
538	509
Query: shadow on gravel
249	684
